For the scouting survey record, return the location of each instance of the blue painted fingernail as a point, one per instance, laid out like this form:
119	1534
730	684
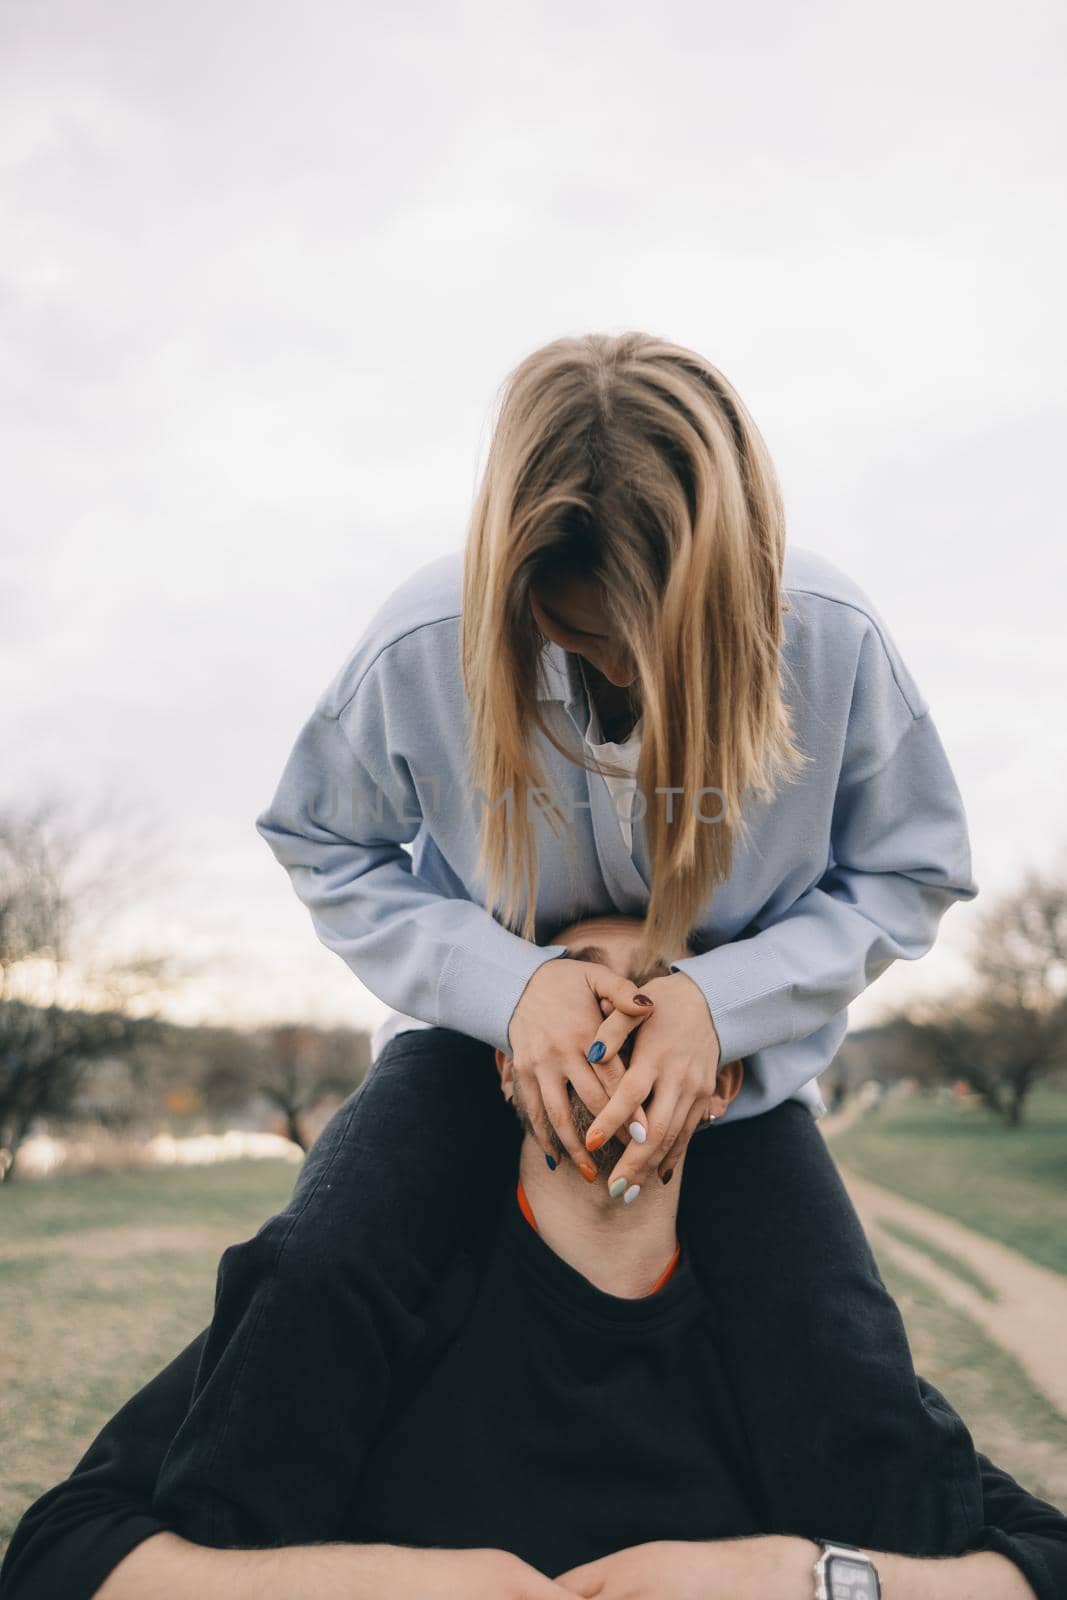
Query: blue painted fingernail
616	1187
551	1164
595	1051
631	1194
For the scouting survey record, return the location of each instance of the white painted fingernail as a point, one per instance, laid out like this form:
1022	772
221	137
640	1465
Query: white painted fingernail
631	1194
638	1132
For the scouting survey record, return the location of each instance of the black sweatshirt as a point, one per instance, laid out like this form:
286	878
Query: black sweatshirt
540	1416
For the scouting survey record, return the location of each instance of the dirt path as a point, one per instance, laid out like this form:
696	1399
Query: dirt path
1028	1318
112	1244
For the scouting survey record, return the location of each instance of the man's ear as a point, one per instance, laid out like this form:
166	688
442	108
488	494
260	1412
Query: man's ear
727	1083
504	1065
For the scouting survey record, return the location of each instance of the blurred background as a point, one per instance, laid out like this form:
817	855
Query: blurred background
264	271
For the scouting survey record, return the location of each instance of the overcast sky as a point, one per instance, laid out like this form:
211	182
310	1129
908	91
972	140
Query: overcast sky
265	266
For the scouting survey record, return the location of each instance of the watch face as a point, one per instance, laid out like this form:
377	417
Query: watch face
850	1580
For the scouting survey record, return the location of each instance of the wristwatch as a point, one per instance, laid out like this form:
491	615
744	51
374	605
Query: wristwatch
844	1573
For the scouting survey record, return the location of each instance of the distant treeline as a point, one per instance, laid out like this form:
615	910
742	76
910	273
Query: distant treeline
64	1068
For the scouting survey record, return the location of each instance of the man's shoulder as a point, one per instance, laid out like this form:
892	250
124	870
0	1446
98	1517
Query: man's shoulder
426	605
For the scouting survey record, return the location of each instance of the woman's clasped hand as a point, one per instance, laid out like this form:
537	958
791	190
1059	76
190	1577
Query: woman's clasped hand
572	1021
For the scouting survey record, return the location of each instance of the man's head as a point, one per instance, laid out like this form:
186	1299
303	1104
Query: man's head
612	941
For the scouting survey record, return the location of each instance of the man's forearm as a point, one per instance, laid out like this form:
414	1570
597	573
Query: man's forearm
984	1575
167	1567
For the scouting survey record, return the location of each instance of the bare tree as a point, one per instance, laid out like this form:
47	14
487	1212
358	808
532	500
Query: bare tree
46	1053
301	1066
293	1068
65	1004
1008	1029
219	1066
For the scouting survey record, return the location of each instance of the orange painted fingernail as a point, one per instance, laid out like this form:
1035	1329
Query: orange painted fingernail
588	1171
593	1141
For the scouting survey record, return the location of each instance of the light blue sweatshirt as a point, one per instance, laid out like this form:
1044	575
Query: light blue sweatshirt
848	869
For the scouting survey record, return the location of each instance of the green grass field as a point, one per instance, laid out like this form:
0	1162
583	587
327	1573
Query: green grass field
1008	1183
103	1279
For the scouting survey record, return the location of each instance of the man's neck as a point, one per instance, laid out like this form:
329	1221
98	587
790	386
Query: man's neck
622	1249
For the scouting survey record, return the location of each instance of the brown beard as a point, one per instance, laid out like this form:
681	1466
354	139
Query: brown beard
603	1159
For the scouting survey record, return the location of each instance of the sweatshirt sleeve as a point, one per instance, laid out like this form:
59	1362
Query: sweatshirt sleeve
1028	1531
344	808
899	856
77	1532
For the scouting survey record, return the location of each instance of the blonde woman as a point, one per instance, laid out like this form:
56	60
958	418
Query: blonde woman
628	696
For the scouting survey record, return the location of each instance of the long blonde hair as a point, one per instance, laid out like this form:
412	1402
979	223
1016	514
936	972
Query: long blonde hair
631	461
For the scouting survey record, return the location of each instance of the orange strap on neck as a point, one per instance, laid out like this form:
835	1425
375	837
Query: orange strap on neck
524	1207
